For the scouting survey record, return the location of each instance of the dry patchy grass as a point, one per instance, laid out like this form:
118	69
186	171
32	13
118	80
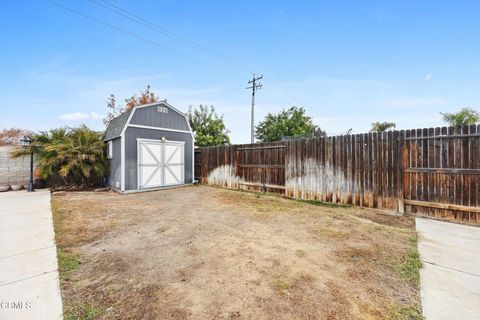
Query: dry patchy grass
209	253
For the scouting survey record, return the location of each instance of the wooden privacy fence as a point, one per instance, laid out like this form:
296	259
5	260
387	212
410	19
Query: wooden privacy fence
249	166
433	172
441	172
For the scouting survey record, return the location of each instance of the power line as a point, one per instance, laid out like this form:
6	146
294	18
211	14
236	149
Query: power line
151	25
132	34
142	21
136	18
254	86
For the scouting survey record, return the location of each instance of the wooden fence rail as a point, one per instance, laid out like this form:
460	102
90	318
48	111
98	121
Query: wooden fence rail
433	172
441	173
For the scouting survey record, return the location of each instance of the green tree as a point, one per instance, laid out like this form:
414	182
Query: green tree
73	154
209	128
464	117
382	126
292	122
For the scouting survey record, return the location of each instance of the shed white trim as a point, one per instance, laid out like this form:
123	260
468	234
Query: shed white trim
152	189
163	163
156	128
127	124
161	102
122	143
122	161
110	149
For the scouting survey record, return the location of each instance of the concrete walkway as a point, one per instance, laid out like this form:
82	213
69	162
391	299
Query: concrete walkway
29	284
450	277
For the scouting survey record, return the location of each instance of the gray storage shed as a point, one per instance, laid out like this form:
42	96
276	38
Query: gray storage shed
149	147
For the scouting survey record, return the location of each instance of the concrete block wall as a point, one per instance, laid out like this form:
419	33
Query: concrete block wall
13	171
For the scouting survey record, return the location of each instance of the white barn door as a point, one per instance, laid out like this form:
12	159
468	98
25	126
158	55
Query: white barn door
160	163
150	172
174	163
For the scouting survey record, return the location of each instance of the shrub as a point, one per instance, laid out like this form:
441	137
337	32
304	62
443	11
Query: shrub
71	155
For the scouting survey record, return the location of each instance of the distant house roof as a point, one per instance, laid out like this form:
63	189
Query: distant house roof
116	125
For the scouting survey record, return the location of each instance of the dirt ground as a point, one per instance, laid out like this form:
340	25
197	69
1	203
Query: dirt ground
207	253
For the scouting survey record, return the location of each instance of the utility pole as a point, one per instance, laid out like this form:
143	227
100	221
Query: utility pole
254	86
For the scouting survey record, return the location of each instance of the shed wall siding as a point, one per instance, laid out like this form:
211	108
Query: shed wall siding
114	164
149	116
131	135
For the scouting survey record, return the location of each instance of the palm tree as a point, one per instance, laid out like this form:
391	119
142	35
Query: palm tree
382	126
73	154
464	117
80	156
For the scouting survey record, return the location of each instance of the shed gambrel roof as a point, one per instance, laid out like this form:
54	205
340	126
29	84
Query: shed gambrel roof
116	125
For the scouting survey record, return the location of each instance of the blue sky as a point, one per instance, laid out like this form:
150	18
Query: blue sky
347	63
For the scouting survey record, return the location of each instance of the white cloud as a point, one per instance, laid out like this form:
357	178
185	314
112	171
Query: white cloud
428	77
95	115
75	116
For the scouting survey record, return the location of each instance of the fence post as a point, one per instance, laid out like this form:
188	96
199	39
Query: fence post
402	152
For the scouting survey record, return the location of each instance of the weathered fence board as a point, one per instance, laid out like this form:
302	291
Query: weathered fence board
361	170
257	166
442	173
432	172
